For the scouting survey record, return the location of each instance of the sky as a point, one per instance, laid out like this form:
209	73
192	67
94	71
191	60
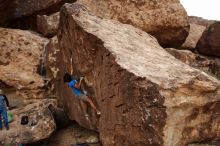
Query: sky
208	9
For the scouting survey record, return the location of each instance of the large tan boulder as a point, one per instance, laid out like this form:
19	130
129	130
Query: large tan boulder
20	56
166	20
195	34
209	43
40	126
146	96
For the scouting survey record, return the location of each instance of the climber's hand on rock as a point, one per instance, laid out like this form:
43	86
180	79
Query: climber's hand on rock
81	78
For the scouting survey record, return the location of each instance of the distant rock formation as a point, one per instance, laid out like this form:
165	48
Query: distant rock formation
40	126
165	20
146	96
209	43
21	52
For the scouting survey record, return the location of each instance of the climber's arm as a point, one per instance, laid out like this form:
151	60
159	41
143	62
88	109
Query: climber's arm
78	85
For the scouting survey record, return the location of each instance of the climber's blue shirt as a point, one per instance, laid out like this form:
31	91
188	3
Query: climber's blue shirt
72	84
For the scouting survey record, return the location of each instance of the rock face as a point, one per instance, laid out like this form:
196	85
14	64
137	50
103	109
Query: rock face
146	96
48	25
166	20
209	43
11	9
19	59
194	35
42	126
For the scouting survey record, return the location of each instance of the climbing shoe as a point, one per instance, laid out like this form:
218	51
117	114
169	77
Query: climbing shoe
98	113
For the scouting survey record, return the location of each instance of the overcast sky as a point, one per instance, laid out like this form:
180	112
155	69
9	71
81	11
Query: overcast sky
208	9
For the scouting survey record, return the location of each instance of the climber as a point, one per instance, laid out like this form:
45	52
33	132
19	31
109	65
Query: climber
3	110
75	86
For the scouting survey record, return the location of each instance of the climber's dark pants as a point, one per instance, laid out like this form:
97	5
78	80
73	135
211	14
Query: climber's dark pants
3	113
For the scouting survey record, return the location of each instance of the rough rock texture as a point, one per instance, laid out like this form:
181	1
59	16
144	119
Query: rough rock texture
166	20
209	43
39	114
52	64
146	96
48	25
200	21
20	53
210	65
194	35
11	9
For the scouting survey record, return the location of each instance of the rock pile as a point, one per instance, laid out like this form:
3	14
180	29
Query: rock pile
147	95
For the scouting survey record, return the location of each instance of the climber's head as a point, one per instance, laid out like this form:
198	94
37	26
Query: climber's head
67	77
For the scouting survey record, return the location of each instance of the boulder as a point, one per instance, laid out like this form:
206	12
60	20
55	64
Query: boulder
190	58
200	21
146	96
40	126
209	43
166	20
194	35
210	65
13	9
20	56
48	25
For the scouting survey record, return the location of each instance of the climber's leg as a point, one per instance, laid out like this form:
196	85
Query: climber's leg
84	97
93	106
